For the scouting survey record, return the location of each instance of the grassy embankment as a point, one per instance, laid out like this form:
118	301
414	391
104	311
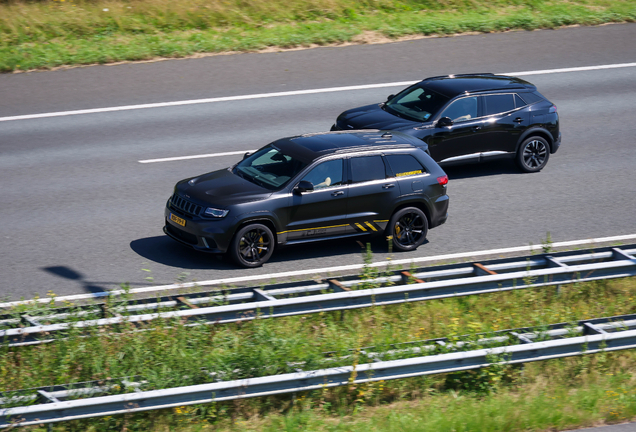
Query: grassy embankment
49	33
555	394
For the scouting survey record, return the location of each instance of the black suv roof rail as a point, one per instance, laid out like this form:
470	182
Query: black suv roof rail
461	75
352	131
388	146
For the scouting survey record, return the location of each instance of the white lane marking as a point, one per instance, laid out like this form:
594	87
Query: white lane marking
289	93
323	271
194	156
205	101
576	69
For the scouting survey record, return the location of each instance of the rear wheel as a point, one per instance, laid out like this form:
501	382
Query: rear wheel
252	245
533	154
408	228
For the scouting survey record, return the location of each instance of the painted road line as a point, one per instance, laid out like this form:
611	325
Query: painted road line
177	158
289	93
326	270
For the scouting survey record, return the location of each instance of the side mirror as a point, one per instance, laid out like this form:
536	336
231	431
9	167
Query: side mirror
245	156
444	121
391	96
304	186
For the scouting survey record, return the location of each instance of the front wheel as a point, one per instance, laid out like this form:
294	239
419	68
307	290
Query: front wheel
408	228
252	245
533	154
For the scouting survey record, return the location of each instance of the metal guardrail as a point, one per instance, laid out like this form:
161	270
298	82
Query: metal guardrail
599	335
431	283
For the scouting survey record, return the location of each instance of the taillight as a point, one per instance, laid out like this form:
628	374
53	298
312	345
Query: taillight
443	180
552	109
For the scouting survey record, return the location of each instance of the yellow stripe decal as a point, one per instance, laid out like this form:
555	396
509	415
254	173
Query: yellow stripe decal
381	221
370	226
309	229
360	226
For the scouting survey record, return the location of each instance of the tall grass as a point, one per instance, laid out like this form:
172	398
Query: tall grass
48	33
169	353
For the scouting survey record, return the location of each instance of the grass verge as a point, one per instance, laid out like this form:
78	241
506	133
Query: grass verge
169	354
51	33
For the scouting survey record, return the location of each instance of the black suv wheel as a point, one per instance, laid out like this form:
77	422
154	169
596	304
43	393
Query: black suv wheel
408	228
533	154
252	246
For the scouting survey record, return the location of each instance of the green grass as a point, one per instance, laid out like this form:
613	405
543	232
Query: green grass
170	354
51	33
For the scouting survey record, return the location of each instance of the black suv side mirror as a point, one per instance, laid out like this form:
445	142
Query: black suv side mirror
391	96
304	186
444	121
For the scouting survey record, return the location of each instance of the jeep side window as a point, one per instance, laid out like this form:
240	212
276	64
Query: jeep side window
495	104
367	168
404	165
326	174
462	109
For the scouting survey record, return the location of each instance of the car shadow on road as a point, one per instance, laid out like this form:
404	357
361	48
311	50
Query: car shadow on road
492	168
166	251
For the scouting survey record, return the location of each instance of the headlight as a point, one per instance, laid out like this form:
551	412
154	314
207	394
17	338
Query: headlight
217	213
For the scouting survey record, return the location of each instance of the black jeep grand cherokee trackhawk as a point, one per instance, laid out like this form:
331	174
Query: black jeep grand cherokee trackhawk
469	118
312	187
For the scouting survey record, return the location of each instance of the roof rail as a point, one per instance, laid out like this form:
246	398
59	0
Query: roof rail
461	75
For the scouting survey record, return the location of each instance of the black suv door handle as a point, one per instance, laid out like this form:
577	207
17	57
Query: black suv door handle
388	186
336	193
476	128
518	120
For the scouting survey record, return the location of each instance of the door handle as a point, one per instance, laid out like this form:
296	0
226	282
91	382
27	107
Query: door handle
336	193
518	120
476	128
388	186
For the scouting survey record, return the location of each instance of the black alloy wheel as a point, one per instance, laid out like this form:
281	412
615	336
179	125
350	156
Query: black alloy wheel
533	154
408	228
252	245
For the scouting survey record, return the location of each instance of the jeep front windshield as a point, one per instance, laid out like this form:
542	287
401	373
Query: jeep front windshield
416	104
269	168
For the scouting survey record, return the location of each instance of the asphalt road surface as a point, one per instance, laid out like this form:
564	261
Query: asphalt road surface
80	213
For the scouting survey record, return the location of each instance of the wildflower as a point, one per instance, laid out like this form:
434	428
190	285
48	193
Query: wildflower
105	9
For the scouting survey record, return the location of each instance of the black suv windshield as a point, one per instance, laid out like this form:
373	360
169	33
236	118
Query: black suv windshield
416	104
269	168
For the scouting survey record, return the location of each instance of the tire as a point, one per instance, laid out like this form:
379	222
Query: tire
533	154
408	228
252	245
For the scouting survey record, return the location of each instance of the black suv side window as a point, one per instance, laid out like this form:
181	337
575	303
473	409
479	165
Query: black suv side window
404	165
462	109
326	174
367	168
495	104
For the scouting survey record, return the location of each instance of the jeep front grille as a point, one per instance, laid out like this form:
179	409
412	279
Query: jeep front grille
185	206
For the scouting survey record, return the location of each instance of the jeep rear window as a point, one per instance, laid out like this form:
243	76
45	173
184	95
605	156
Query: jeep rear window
404	165
367	168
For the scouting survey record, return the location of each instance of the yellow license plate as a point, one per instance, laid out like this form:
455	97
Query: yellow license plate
177	220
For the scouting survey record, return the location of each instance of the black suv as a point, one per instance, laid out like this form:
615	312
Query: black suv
469	118
308	188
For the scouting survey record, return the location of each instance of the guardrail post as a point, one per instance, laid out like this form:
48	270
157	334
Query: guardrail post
408	277
553	262
482	270
260	295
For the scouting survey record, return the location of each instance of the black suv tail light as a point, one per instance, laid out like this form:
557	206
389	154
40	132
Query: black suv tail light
443	180
552	109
